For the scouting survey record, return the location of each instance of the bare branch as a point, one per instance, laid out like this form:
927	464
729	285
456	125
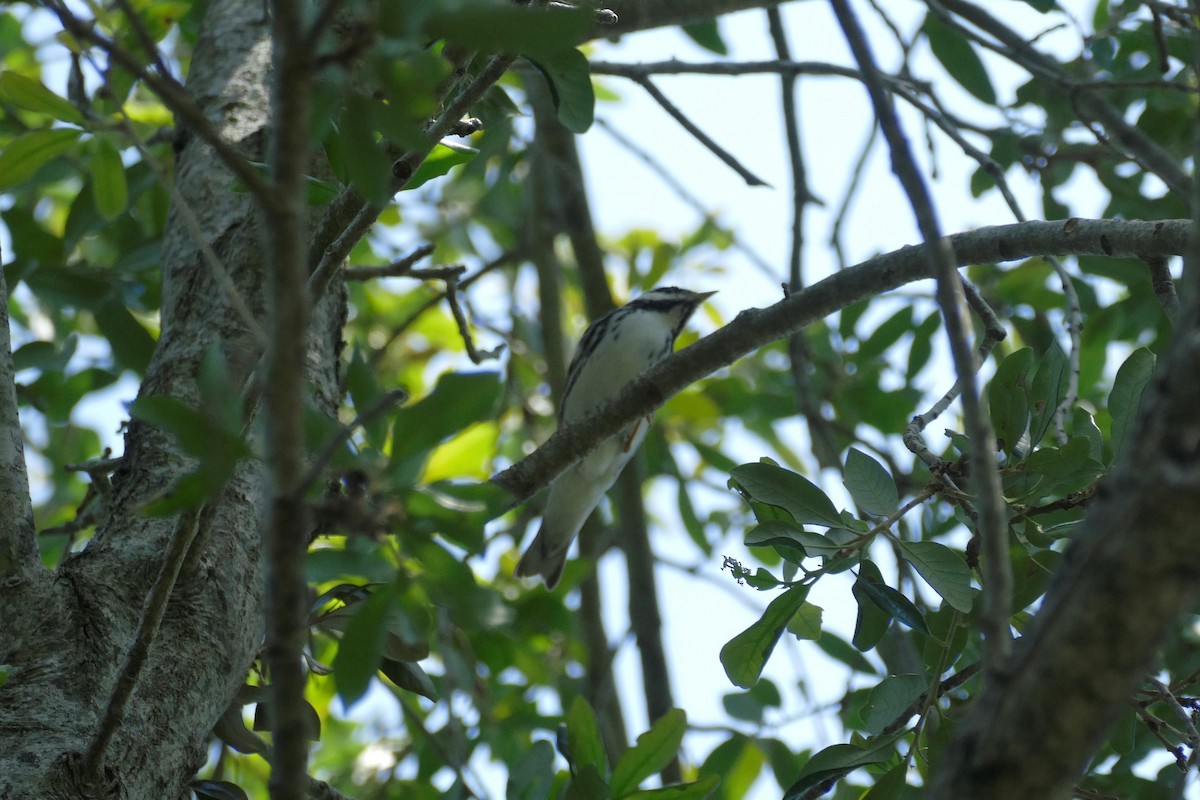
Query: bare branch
750	178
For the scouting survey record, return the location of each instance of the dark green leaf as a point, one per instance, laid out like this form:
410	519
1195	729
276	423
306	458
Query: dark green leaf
839	649
365	392
218	790
870	484
109	188
508	28
840	759
1046	391
794	493
654	750
360	651
745	655
1126	394
696	790
570	79
26	154
459	399
533	775
410	677
584	743
944	570
959	58
887	700
707	34
132	345
896	605
1008	398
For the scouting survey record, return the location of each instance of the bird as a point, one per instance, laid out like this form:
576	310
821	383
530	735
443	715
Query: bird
614	350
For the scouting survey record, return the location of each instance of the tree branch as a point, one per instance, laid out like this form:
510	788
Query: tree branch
289	306
755	328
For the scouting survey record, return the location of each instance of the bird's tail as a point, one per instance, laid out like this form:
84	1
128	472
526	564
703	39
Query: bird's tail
545	557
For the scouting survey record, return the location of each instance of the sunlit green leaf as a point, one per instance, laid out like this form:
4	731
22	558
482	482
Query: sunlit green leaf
29	152
31	95
360	651
1008	399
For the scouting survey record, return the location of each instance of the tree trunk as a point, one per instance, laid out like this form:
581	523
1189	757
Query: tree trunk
66	633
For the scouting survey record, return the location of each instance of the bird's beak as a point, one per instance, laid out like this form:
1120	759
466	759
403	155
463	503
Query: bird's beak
705	295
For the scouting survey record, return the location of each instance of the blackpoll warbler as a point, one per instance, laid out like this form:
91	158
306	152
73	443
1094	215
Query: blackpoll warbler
614	350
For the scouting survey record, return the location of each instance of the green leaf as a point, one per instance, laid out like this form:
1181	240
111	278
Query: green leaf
889	698
1008	399
1046	391
410	677
584	744
218	790
533	775
508	28
654	750
365	392
360	651
31	95
838	760
794	493
1126	394
27	153
132	345
745	655
870	484
707	34
569	75
839	649
696	790
108	179
959	58
944	570
444	157
459	399
897	606
871	621
807	622
367	166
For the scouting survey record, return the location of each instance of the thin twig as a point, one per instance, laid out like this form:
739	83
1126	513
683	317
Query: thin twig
750	178
401	267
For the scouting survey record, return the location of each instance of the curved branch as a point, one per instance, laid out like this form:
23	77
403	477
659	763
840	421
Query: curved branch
757	327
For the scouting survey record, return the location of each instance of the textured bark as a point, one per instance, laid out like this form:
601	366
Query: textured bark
66	633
